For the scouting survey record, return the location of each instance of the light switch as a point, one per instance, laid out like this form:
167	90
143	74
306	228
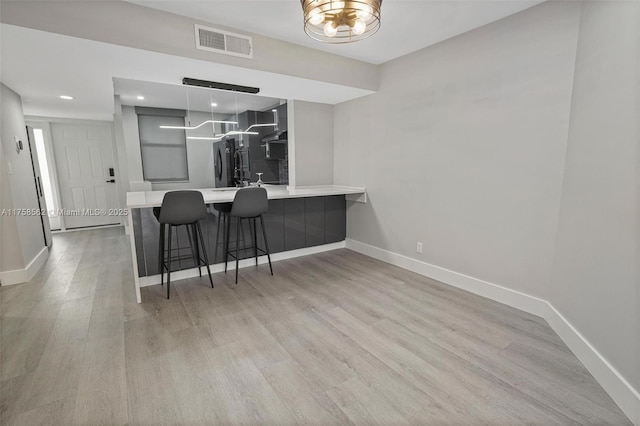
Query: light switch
10	167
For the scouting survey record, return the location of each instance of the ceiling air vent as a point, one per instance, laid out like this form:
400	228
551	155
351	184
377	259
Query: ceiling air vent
215	40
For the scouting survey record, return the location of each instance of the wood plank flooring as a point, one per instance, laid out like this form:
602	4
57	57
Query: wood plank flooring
333	338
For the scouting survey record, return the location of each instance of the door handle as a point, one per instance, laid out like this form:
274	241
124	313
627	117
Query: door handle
40	186
111	181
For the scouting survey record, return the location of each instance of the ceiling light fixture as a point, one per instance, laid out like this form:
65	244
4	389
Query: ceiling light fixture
219	137
261	125
198	126
66	97
213	104
341	21
140	98
222	86
232	133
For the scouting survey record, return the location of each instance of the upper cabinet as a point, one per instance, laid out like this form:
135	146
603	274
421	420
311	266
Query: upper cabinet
266	152
280	116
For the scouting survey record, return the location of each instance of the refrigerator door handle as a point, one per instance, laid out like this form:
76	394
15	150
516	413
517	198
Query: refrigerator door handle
39	186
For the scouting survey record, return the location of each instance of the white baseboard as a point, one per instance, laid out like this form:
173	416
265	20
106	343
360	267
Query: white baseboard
244	263
518	300
19	276
88	228
620	390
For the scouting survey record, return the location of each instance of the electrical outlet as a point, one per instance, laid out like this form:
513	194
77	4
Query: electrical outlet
419	248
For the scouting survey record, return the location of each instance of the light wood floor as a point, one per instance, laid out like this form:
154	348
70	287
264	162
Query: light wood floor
331	338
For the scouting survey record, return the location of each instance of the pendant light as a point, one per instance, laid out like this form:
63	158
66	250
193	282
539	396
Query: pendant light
219	137
331	21
190	127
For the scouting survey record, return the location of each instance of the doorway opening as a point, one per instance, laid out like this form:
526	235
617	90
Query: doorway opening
47	185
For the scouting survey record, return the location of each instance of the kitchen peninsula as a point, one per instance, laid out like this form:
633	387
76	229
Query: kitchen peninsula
300	221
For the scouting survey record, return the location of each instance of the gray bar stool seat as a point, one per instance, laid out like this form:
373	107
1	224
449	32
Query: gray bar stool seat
250	204
182	208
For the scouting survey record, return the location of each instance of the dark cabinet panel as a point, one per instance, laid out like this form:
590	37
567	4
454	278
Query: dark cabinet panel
209	227
290	224
274	225
294	227
136	218
335	218
314	221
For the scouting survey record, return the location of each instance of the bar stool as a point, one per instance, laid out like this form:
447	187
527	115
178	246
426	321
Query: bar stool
182	208
251	204
223	210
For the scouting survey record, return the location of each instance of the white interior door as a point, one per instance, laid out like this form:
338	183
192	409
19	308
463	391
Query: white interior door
84	157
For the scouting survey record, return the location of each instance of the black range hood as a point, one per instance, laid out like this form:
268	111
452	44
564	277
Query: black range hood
279	136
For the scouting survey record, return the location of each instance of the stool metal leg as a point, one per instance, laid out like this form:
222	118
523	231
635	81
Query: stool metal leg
169	263
215	250
226	243
238	224
204	251
161	253
255	239
244	242
177	228
193	242
266	244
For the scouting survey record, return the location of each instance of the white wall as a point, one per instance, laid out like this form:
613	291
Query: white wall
463	149
132	148
157	31
21	252
310	143
512	153
637	375
10	258
122	179
595	277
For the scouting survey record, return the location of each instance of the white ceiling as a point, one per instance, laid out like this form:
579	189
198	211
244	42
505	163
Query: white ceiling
407	26
41	66
188	97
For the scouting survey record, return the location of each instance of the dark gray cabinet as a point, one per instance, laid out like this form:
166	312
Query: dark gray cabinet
335	219
290	224
314	221
274	224
294	224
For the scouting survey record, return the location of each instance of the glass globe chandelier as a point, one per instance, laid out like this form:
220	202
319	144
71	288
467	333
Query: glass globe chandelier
341	21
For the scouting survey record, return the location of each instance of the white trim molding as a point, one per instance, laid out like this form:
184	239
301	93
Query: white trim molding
244	263
620	390
513	298
19	276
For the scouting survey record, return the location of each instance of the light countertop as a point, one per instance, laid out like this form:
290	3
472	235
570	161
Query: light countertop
144	199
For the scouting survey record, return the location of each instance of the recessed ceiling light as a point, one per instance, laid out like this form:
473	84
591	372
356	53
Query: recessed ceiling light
67	97
214	104
274	110
140	98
